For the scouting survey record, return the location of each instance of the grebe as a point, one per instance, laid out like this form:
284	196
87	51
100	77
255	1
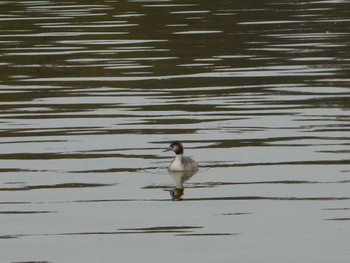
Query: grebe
180	163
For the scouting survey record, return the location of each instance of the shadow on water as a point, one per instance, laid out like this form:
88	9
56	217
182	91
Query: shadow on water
55	186
176	230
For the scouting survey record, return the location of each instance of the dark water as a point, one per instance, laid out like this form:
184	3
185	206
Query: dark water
92	91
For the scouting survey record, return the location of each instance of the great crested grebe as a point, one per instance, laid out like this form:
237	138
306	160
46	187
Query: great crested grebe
180	163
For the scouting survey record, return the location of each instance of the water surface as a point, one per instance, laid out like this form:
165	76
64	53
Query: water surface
92	91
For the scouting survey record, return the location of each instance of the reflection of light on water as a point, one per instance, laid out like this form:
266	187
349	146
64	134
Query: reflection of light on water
197	32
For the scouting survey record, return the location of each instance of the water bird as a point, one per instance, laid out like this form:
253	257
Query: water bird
180	163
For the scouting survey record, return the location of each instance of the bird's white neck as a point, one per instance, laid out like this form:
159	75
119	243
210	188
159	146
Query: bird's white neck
179	156
177	164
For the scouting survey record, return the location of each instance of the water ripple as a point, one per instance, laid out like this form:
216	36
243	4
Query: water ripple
91	93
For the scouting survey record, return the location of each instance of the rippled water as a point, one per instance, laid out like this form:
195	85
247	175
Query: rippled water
92	91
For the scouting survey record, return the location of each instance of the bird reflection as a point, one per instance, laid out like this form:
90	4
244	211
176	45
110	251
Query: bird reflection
179	178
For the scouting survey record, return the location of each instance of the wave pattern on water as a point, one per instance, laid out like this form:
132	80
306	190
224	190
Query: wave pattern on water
91	91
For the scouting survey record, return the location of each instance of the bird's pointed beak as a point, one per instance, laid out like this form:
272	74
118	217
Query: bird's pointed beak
168	149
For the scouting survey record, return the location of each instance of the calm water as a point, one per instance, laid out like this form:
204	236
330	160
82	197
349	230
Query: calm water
92	91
